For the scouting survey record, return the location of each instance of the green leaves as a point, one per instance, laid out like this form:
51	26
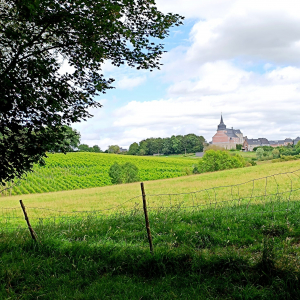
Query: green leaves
125	173
34	94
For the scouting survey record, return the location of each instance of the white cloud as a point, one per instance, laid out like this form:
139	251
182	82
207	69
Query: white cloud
127	83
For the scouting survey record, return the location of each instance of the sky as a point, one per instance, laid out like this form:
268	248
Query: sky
239	58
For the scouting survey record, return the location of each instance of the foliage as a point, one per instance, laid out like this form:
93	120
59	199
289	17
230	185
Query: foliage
36	97
125	173
179	144
130	173
239	146
215	160
80	170
275	153
259	153
115	173
87	148
113	149
286	158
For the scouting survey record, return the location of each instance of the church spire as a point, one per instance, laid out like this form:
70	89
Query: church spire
221	126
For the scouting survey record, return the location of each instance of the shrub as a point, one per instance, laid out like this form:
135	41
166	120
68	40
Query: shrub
123	173
115	173
129	173
259	153
219	160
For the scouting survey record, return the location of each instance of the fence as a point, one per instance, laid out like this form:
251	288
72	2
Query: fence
203	218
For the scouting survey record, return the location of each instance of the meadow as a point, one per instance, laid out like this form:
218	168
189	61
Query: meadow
86	170
232	234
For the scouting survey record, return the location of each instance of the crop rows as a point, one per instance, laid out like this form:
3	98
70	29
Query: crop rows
86	170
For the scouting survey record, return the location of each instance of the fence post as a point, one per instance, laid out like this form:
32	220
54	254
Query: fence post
33	234
146	218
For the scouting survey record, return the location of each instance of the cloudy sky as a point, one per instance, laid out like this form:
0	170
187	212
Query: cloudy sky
241	58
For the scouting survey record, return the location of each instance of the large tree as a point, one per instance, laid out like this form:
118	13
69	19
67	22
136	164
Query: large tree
36	36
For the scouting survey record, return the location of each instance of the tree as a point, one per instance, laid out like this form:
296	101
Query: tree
96	149
36	97
125	173
215	160
84	148
70	141
133	149
115	173
114	149
259	153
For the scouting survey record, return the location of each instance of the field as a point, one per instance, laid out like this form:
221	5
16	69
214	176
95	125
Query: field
211	240
86	170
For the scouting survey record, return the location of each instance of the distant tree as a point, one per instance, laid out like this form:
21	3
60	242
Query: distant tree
133	149
96	149
238	146
84	148
297	146
275	153
259	153
167	147
114	149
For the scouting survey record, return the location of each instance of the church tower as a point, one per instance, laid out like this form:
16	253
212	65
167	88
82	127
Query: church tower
221	126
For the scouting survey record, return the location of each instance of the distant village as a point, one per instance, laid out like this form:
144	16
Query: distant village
229	138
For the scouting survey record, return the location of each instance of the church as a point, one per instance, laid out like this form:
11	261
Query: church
227	138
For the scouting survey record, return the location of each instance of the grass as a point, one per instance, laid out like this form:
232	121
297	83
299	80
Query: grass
238	253
110	196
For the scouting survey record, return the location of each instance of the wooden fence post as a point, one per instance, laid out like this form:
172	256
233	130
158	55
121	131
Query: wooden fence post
33	234
146	218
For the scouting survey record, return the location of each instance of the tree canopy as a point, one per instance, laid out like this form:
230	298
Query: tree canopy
189	143
37	98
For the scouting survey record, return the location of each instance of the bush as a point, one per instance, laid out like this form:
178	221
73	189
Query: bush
115	173
219	160
123	173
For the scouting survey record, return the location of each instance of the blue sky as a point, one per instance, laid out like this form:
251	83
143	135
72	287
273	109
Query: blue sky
239	57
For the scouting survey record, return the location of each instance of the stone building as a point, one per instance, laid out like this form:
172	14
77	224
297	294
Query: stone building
249	144
227	138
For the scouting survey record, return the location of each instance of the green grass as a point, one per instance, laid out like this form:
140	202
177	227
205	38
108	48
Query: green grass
244	252
86	170
110	196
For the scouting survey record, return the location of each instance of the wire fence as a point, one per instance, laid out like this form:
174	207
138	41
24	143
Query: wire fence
199	217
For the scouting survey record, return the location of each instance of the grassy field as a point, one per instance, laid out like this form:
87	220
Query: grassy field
198	254
86	170
242	244
110	196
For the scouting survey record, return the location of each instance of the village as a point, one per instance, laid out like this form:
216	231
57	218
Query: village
230	138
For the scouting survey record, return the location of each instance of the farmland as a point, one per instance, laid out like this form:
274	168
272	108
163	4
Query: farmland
87	170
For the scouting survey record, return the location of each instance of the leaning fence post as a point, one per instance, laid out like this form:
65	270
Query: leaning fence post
33	234
146	218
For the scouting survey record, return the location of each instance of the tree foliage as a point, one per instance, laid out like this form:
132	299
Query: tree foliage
36	97
216	160
189	143
125	173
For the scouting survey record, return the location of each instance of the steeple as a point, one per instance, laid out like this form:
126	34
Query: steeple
221	126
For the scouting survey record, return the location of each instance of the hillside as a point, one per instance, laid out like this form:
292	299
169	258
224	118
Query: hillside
86	170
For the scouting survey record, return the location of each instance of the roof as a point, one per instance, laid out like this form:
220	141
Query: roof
221	126
259	141
231	133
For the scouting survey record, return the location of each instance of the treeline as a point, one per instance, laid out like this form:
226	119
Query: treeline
178	144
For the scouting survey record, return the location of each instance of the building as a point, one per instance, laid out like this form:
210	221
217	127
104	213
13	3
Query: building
227	138
249	144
